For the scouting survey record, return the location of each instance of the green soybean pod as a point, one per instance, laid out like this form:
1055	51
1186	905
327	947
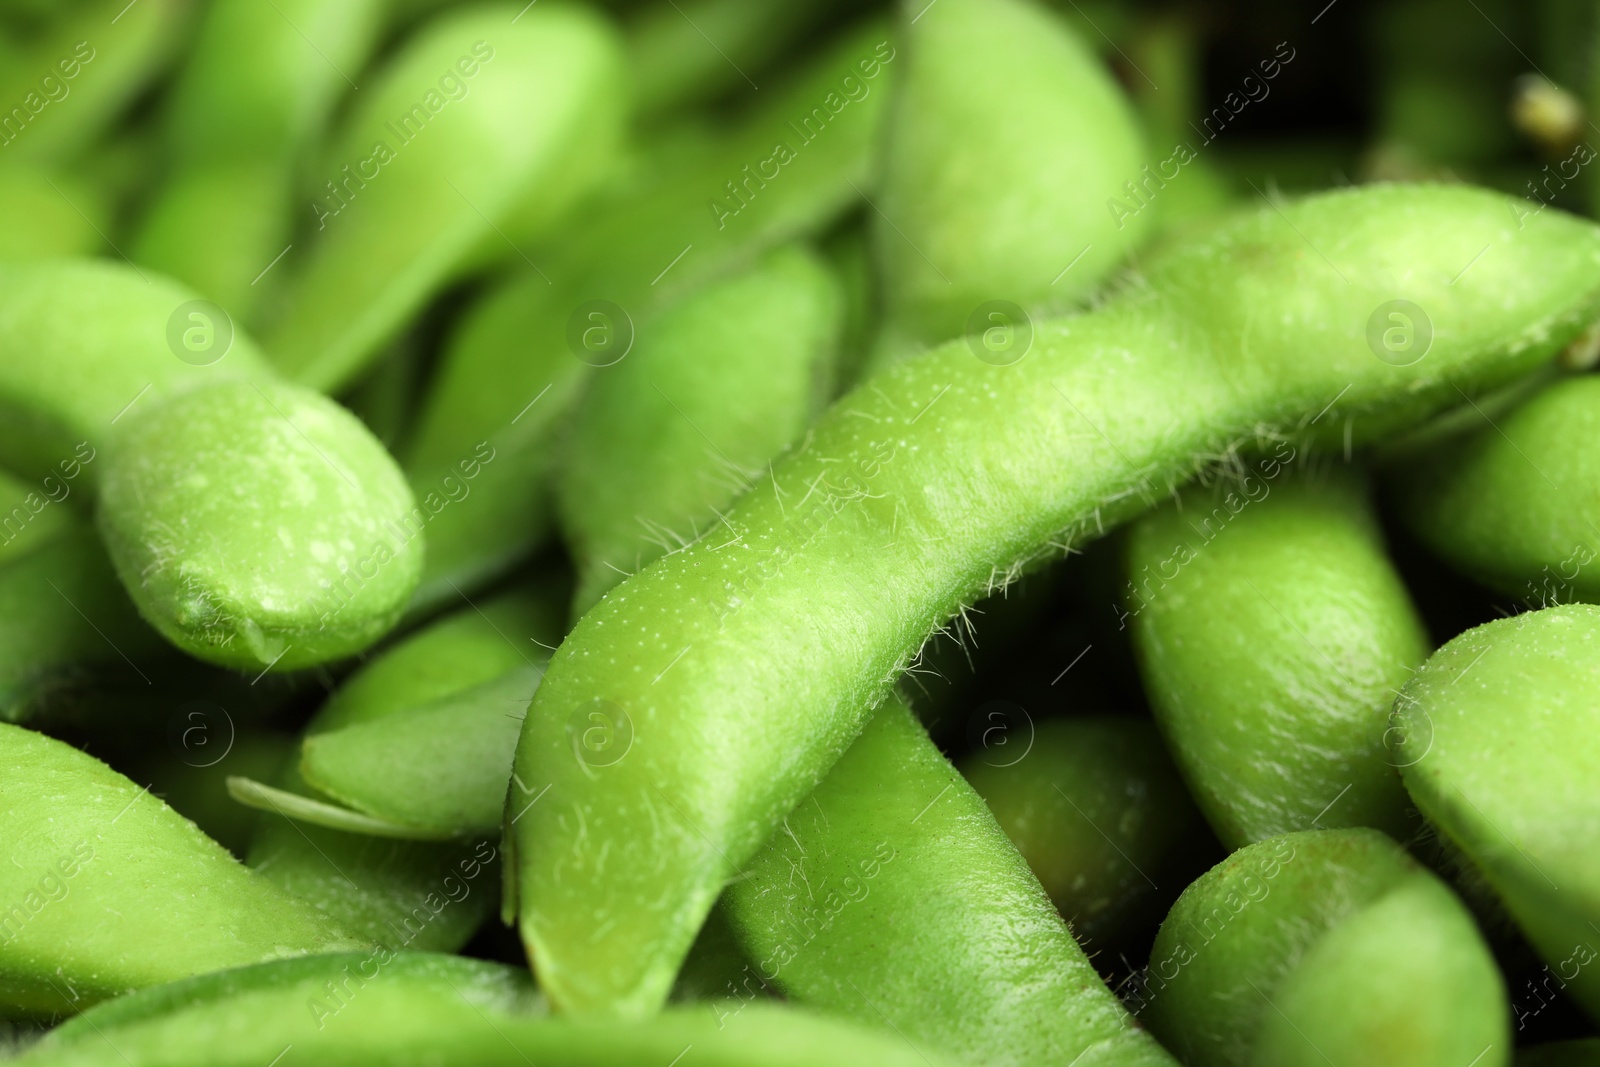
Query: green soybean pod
64	618
728	378
1512	500
415	1008
511	372
892	896
692	53
258	85
1097	809
1504	766
45	214
995	188
108	889
942	477
1581	1053
1324	946
255	524
99	56
1272	633
482	116
394	890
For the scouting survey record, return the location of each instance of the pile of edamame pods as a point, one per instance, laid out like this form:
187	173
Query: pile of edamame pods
798	532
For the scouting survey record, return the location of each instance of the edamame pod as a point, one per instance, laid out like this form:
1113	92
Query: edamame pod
99	56
1097	809
484	115
108	889
1513	500
1010	140
404	893
259	84
945	476
255	524
1505	764
739	371
411	1009
1272	634
687	54
892	896
1325	946
519	359
44	215
64	615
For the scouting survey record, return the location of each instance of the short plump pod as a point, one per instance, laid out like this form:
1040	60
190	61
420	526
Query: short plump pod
1581	1053
892	896
1007	141
98	55
1496	736
1514	500
1097	809
63	614
400	892
418	1009
746	663
485	114
1319	947
256	524
108	889
725	380
520	358
255	92
1272	634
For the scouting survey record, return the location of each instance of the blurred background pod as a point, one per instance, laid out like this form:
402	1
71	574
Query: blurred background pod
240	127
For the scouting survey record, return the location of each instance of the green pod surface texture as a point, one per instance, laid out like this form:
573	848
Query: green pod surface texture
406	893
1504	764
1009	138
256	524
1272	634
1514	502
1097	809
424	1010
939	479
258	87
716	387
44	214
478	114
511	372
892	896
108	889
1325	946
